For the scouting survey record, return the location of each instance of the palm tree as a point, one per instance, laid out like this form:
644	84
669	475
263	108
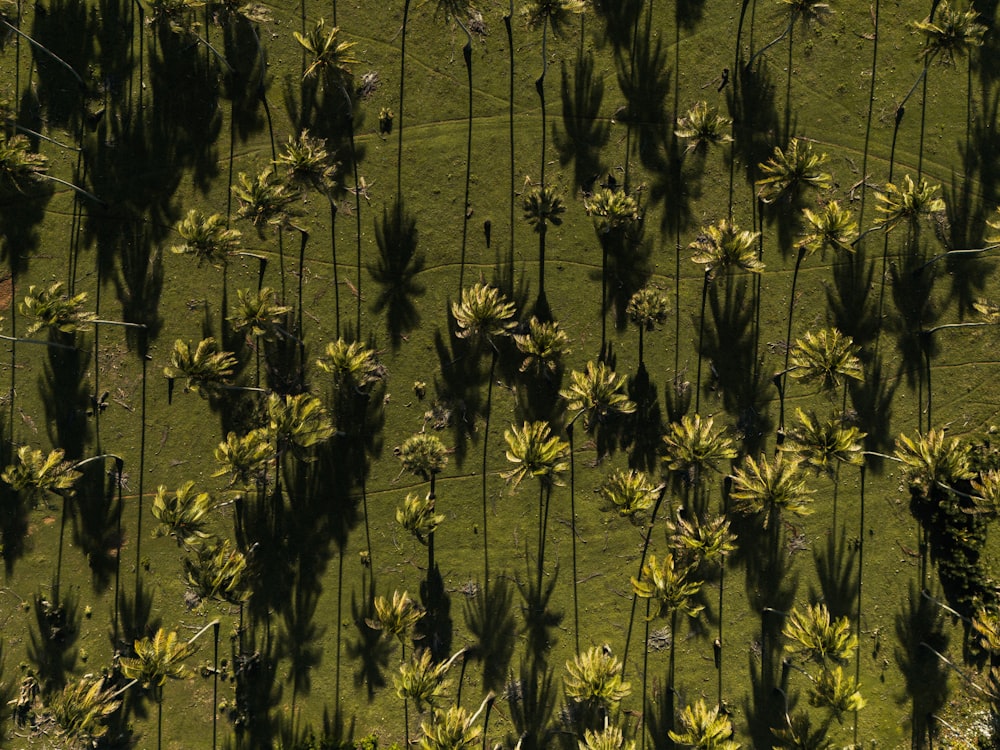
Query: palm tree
702	126
417	516
647	308
207	238
595	687
705	728
670	590
598	394
767	488
308	166
543	346
425	455
205	371
693	445
83	709
37	474
184	514
827	357
297	424
609	738
613	212
790	171
823	445
54	310
355	369
218	571
908	203
482	315
542	206
454	728
721	248
258	314
631	493
554	14
535	452
423	681
156	660
831	227
330	61
816	637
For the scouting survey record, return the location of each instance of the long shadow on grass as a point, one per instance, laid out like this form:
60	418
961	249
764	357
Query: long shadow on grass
645	429
370	651
489	618
872	400
853	311
531	700
257	693
729	349
459	392
629	268
66	28
66	393
920	631
838	580
586	132
21	213
619	17
395	271
756	124
96	522
645	90
53	636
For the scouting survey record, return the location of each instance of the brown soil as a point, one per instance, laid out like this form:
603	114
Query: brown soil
6	291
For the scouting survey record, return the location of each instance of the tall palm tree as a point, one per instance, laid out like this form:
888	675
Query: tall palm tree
535	452
156	660
425	455
770	487
330	64
206	370
705	728
422	680
554	14
721	248
207	238
454	728
308	166
542	206
613	212
83	711
609	738
647	308
483	315
36	474
543	345
827	357
702	126
671	589
595	687
832	227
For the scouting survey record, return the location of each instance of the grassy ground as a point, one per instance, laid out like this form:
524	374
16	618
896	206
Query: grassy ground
182	162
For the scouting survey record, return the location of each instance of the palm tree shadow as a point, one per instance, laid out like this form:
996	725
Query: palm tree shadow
14	516
539	619
756	124
53	636
619	18
849	299
835	569
20	216
489	618
459	390
370	651
396	270
257	693
300	641
912	287
920	627
629	268
586	133
645	428
66	395
531	700
96	522
435	628
137	619
645	90
736	376
67	28
872	400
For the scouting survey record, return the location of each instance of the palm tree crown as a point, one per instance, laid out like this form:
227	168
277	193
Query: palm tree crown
770	486
702	126
594	680
648	307
157	659
791	170
204	370
417	516
631	492
723	246
423	455
39	473
907	203
543	346
597	393
482	313
668	586
307	163
611	210
535	453
952	33
330	58
693	446
822	443
543	206
705	728
930	458
257	312
353	365
831	227
817	637
19	165
206	238
263	200
827	358
183	514
52	309
554	12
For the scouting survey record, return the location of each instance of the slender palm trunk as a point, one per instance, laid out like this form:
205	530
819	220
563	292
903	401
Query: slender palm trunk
59	555
510	120
467	54
572	526
780	437
861	562
645	675
486	435
215	684
399	118
642	562
340	625
670	675
333	258
701	341
871	108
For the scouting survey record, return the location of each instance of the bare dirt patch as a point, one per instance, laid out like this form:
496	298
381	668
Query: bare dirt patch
6	291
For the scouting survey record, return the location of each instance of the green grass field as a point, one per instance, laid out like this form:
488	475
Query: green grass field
153	113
